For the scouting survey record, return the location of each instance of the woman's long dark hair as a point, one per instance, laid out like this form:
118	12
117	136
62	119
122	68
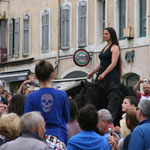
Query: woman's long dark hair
114	40
17	104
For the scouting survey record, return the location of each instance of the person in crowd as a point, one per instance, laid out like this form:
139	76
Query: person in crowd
2	99
146	89
1	87
9	97
4	93
140	136
105	123
3	108
87	139
32	127
52	103
73	126
131	122
27	85
17	104
128	102
9	127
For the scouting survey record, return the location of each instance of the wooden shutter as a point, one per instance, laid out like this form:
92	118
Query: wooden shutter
11	36
82	26
122	17
143	16
65	27
45	31
3	33
25	49
16	37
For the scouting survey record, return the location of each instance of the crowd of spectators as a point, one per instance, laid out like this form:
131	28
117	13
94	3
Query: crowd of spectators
46	118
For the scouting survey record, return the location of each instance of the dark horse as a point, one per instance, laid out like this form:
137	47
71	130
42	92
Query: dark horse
95	93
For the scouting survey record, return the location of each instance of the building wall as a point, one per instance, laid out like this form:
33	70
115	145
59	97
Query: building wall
64	58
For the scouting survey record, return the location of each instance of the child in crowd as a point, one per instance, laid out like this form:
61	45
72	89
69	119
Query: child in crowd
129	101
52	103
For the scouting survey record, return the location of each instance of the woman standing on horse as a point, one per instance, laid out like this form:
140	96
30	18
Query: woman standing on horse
109	68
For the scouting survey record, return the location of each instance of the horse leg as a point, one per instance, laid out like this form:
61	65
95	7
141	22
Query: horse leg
114	106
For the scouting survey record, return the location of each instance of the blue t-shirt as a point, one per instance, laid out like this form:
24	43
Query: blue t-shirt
87	140
54	107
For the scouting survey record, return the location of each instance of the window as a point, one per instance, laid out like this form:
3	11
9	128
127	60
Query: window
45	32
25	43
122	17
143	12
65	27
14	31
82	24
141	22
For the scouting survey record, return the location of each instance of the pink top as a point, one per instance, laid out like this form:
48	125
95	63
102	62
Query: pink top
143	96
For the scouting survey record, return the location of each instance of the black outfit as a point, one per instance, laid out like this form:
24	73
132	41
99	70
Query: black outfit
112	78
111	82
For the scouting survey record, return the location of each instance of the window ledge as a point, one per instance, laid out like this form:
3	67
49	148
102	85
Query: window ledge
50	54
141	41
15	62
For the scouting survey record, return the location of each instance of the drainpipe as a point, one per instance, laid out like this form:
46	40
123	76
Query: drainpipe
58	48
58	58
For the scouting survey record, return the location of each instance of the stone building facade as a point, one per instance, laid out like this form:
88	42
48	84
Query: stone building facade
55	29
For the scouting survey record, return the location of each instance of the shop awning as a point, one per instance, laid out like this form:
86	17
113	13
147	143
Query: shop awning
67	84
14	76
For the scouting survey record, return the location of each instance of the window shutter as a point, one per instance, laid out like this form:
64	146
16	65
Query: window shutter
45	31
122	17
16	37
143	12
65	27
82	26
25	43
11	32
3	33
104	20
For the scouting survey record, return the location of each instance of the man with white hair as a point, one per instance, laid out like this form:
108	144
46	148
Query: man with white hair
140	135
32	127
105	122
